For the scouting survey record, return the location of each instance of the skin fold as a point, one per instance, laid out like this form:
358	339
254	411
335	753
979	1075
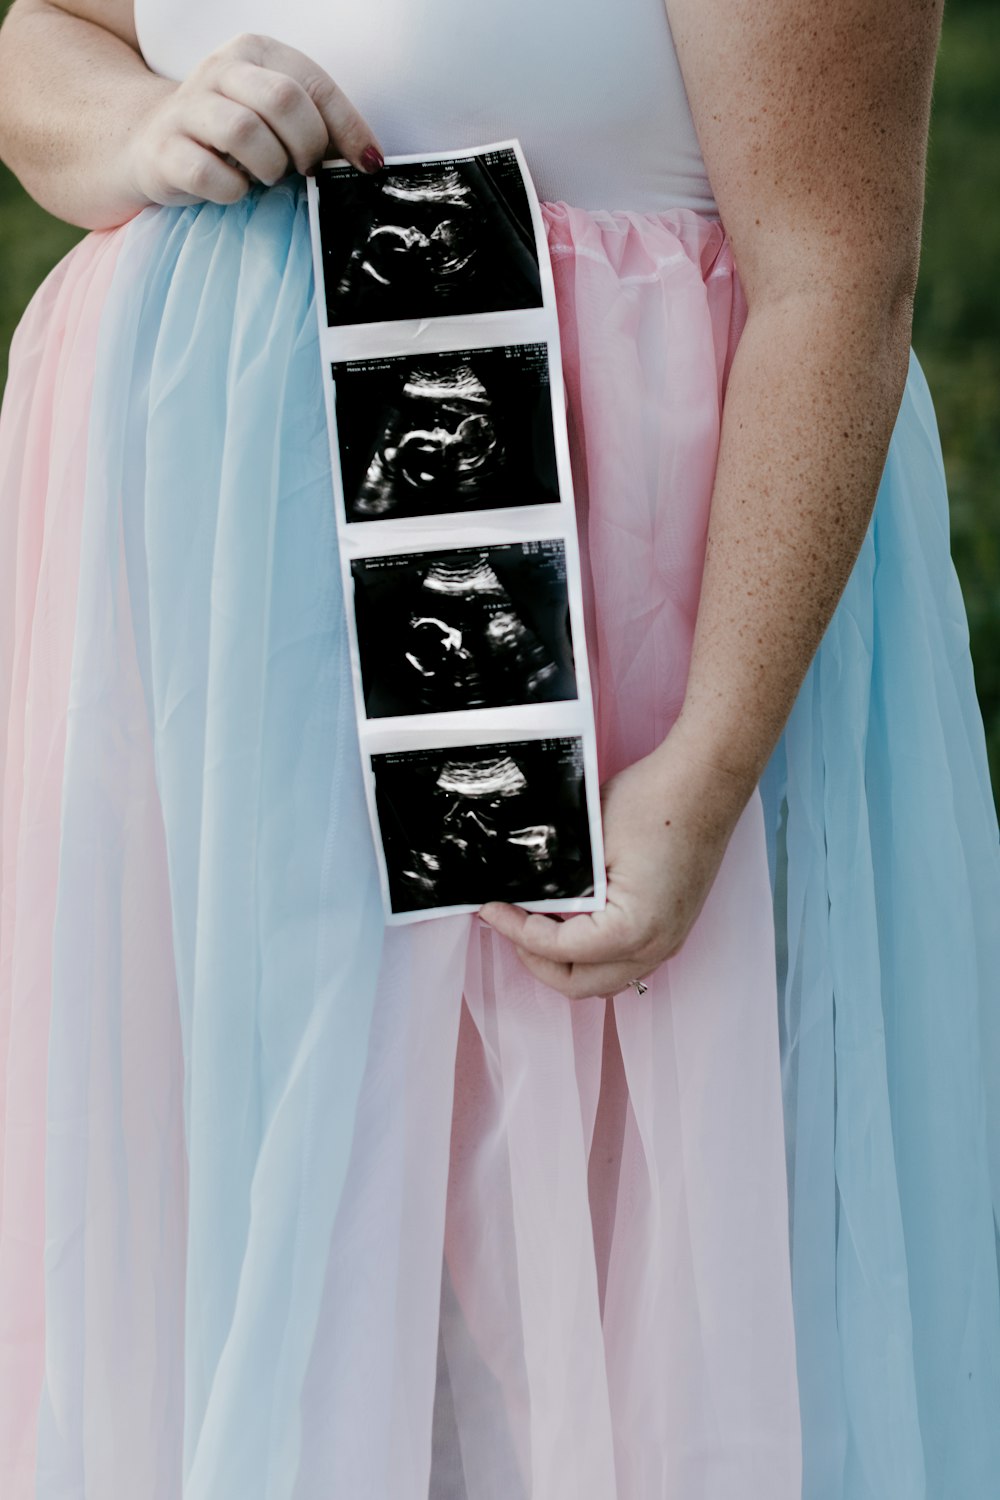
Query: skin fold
813	121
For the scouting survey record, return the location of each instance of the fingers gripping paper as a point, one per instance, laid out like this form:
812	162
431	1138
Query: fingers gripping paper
458	543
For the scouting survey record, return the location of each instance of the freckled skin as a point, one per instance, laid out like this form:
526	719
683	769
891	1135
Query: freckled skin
813	120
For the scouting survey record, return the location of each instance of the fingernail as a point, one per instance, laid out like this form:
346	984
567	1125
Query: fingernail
372	159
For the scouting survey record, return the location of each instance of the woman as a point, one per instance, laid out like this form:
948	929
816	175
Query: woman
319	1223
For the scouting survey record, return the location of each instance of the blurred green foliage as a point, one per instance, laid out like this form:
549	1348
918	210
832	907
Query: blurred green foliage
957	327
957	321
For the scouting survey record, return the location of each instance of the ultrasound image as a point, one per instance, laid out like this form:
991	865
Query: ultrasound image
472	628
492	823
427	239
446	432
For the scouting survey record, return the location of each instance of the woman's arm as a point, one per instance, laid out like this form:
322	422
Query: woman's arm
95	136
813	119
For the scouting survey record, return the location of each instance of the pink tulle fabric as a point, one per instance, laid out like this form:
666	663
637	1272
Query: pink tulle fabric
559	1269
43	459
617	1217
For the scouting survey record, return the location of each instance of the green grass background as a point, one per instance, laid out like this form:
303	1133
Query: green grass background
957	328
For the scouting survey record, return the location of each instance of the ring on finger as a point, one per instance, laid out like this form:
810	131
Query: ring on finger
633	984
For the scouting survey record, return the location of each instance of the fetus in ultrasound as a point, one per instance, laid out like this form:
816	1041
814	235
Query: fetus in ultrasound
480	802
436	433
445	633
440	446
426	239
501	822
421	237
468	646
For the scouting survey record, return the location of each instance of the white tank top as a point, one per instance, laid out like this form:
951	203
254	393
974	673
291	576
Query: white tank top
592	88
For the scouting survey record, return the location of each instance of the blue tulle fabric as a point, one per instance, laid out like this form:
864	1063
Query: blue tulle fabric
212	498
220	536
887	886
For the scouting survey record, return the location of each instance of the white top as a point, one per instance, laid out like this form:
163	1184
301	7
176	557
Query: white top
591	88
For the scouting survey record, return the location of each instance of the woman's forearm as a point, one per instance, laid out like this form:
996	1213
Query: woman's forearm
812	399
72	94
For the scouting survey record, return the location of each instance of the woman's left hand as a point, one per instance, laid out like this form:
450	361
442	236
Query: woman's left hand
667	822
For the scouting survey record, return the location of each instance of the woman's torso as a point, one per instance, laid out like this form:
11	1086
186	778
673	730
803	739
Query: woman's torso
591	87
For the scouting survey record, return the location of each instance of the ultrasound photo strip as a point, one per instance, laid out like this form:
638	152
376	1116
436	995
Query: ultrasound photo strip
459	554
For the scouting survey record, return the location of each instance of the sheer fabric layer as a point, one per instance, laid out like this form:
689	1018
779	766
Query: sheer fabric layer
43	462
885	853
333	1211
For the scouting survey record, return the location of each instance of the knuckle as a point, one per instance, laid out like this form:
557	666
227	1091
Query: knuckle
282	94
545	926
215	64
245	44
331	101
243	128
198	177
536	934
323	91
233	75
203	182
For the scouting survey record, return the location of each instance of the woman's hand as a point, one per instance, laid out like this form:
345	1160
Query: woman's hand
667	822
252	111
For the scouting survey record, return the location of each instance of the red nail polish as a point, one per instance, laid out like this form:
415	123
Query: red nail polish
372	159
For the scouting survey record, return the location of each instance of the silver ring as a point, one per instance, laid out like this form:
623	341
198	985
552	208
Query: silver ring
638	986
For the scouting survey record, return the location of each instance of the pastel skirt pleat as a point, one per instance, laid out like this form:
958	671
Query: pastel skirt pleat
293	1207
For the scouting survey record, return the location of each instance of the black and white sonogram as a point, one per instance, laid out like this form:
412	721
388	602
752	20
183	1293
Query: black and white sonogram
446	432
497	822
427	240
480	627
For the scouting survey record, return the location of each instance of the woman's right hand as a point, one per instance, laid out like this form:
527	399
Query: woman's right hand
250	112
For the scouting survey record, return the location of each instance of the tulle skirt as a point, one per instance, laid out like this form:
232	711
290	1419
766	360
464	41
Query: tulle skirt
293	1208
